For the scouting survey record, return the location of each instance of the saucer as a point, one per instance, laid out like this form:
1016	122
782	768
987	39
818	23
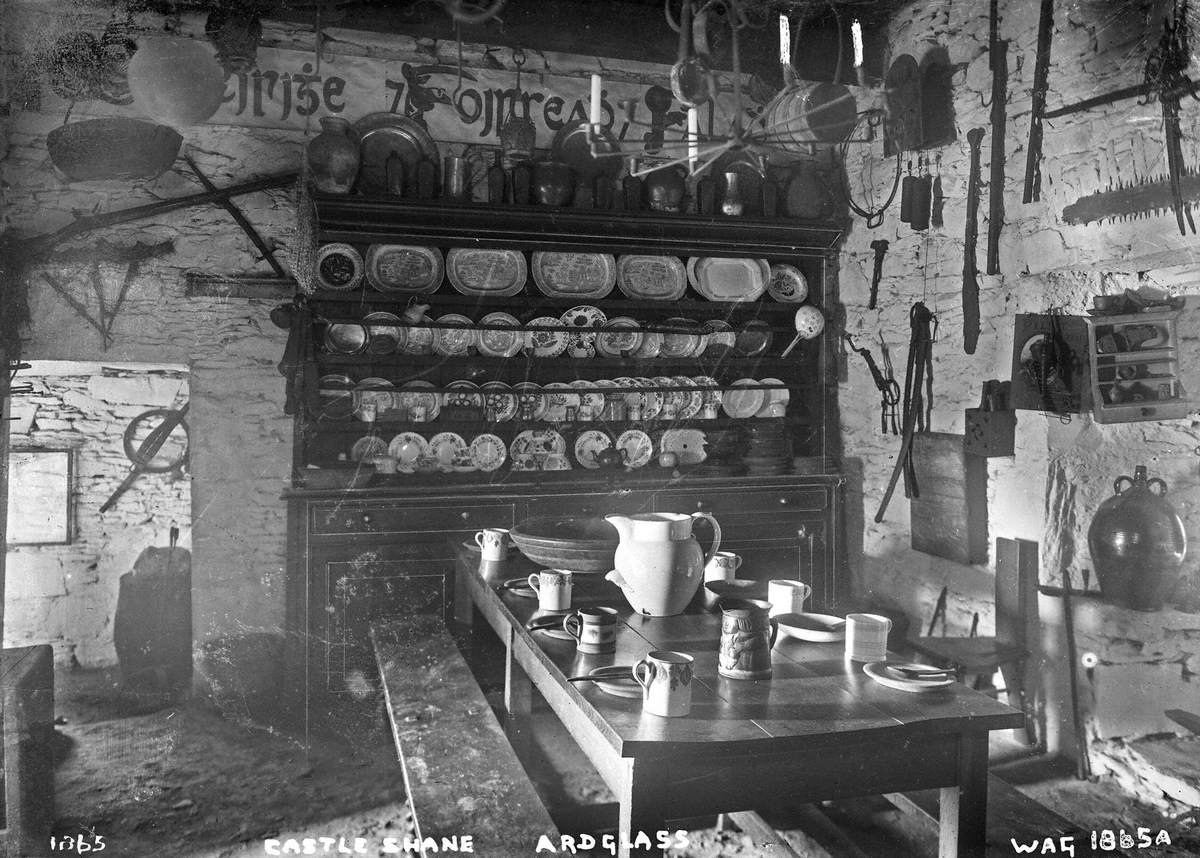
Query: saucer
618	687
889	677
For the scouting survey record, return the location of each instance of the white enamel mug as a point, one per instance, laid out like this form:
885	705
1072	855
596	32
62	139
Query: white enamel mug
866	637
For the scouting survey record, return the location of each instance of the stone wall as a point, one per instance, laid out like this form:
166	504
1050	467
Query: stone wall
1045	264
66	595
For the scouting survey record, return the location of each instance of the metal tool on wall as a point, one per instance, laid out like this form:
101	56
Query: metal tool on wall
998	60
937	198
970	285
166	421
889	389
880	246
1041	75
922	196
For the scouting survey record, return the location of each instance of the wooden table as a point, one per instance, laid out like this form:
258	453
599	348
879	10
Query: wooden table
819	729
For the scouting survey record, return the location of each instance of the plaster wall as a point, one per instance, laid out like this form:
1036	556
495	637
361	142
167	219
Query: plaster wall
1045	264
66	595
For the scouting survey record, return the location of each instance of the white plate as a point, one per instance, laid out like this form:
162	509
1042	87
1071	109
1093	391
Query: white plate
886	676
653	278
636	446
775	403
818	628
499	399
406	448
475	271
574	275
453	340
787	284
588	444
618	687
368	447
451	451
404	268
465	394
488	451
546	343
686	444
499	343
339	268
621	336
531	403
720	278
414	393
740	403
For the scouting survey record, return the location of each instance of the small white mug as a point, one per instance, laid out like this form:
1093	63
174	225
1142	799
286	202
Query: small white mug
553	587
722	567
666	680
787	596
866	637
493	543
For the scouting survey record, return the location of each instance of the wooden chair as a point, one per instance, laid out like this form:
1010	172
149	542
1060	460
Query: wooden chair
1016	629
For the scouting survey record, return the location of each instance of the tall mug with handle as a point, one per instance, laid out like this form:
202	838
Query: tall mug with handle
553	588
787	596
666	680
493	543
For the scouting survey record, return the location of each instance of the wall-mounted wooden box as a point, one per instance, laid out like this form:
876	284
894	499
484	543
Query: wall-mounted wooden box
949	516
1135	368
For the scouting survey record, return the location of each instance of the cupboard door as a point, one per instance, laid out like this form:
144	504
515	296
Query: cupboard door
798	549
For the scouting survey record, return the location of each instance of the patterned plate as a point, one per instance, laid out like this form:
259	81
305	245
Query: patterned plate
488	452
588	444
711	397
385	333
499	343
368	447
574	275
450	451
404	269
339	268
682	342
475	271
652	398
673	400
654	278
531	404
559	397
454	340
345	339
636	447
406	448
373	391
419	340
693	400
721	337
589	395
651	347
787	284
546	343
464	394
621	336
536	445
741	402
413	393
499	401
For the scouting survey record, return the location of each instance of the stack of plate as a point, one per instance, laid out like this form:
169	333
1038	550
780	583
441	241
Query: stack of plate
724	452
768	448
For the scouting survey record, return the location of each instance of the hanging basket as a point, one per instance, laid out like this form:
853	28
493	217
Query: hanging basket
113	148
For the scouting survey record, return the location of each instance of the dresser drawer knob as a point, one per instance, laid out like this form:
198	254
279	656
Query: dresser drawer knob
701	504
466	516
367	521
784	501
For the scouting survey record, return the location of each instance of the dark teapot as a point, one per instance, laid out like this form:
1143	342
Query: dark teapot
665	188
553	183
611	458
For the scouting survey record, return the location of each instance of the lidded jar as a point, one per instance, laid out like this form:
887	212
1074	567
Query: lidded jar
1137	543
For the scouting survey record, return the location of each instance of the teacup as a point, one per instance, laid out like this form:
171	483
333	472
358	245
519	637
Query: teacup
553	588
666	680
595	629
493	543
787	596
384	464
722	567
866	637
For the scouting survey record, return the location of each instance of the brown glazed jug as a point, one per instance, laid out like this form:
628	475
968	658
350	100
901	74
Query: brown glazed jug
1137	543
333	156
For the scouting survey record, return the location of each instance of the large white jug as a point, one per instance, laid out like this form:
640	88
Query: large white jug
659	564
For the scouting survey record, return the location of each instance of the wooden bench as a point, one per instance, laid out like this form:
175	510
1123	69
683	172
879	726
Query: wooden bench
460	772
1012	816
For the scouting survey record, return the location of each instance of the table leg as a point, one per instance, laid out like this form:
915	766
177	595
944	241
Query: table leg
963	808
641	815
518	700
464	606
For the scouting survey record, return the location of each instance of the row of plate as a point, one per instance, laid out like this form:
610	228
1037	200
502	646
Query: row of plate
669	397
584	331
530	450
417	270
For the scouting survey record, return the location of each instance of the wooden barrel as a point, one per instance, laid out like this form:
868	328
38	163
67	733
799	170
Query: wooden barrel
152	630
811	113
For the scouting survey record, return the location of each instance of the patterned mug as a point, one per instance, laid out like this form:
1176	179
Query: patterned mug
747	634
666	680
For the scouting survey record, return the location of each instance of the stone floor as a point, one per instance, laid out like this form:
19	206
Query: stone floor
189	781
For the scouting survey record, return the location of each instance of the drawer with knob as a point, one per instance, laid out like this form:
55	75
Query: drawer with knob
759	502
334	519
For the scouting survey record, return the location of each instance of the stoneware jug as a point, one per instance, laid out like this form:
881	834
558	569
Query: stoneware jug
659	564
1137	543
333	156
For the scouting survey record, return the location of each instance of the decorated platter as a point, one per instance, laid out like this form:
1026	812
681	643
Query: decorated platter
574	275
651	278
488	451
686	444
546	343
382	135
385	333
404	269
499	401
743	400
588	444
775	403
368	447
478	271
889	677
720	278
499	343
407	448
449	341
415	393
339	268
620	337
636	447
787	284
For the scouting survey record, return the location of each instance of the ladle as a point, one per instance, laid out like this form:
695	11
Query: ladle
691	78
796	339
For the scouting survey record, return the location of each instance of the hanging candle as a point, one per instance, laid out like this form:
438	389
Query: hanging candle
176	81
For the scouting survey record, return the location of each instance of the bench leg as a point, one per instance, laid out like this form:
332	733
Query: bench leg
518	701
963	808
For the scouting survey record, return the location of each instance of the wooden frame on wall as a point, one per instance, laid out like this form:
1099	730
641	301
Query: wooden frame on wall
41	488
